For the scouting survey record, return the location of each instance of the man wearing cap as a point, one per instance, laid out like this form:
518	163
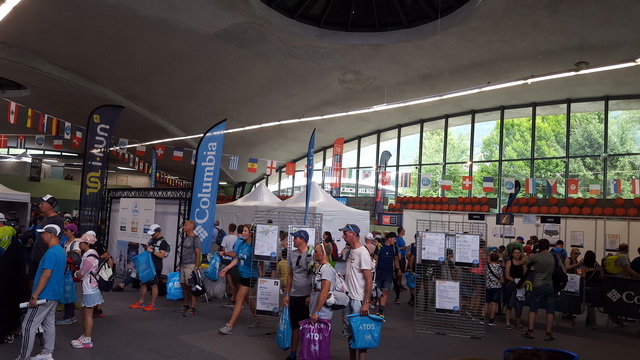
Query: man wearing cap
7	233
387	258
47	207
368	243
298	288
359	282
48	286
157	246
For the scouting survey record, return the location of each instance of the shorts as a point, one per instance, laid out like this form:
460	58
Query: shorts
403	265
233	272
543	297
248	282
493	295
154	281
298	310
384	281
353	307
185	272
91	300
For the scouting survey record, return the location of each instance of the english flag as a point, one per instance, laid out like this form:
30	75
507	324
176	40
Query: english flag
271	167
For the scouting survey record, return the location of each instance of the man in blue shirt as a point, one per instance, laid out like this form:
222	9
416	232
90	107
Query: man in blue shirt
402	246
387	258
48	286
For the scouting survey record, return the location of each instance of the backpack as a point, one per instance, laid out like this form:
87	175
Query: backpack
562	254
559	277
220	237
338	298
610	265
167	251
196	283
104	275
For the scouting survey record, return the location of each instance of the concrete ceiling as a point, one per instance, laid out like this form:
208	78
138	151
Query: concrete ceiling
178	66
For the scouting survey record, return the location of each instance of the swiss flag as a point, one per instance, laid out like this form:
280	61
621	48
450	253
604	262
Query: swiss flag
572	186
160	149
77	140
467	182
385	178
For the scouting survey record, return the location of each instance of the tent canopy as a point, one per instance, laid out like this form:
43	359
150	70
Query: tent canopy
20	202
242	211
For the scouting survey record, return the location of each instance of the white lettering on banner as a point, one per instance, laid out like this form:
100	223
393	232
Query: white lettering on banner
206	192
632	298
99	144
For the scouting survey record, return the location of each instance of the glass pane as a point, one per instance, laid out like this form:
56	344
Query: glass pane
623	168
587	127
624	127
348	182
409	144
516	141
368	151
391	188
285	186
457	171
432	142
408	181
513	169
585	169
433	189
482	170
350	154
486	136
551	131
367	182
389	142
459	139
549	169
273	183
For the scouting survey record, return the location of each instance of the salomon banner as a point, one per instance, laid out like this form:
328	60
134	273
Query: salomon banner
205	183
154	167
100	127
309	171
336	164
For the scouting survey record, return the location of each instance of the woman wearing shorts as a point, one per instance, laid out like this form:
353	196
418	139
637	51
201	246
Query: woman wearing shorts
91	295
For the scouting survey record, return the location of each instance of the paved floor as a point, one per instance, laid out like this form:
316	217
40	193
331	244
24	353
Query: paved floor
133	334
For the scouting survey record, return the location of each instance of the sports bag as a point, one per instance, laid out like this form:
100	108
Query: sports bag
315	340
365	330
559	277
174	289
283	337
144	266
196	284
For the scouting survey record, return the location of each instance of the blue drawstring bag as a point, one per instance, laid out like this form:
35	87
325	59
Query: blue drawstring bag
283	338
69	294
411	280
214	268
365	330
174	289
144	266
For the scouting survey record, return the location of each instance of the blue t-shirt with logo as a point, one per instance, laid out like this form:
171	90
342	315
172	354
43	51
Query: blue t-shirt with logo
386	256
55	260
244	252
401	243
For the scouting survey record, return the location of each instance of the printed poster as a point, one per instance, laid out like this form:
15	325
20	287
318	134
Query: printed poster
467	249
613	241
577	239
268	297
135	218
433	246
266	242
447	296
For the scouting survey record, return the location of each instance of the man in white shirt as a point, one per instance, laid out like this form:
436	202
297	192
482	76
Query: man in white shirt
232	276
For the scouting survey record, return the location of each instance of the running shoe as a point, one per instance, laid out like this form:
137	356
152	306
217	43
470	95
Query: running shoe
226	330
138	305
150	307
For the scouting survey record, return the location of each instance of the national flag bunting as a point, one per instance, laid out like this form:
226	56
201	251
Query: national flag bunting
405	180
327	172
57	143
21	142
594	187
4	141
445	182
572	186
54	126
509	185
42	124
12	115
487	184
347	173
141	150
271	167
385	178
77	140
122	145
177	154
160	150
233	162
635	186
367	175
252	165
67	130
552	186
30	118
616	186
39	141
425	181
530	185
290	169
467	182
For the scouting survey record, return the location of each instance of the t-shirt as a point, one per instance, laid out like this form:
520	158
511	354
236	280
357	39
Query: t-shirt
328	273
89	268
493	282
635	265
54	259
39	247
227	243
6	234
562	253
358	260
158	245
72	246
401	243
544	264
386	255
189	246
244	252
300	264
621	261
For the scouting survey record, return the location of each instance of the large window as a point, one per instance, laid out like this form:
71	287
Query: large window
624	127
459	139
516	143
587	129
551	131
486	136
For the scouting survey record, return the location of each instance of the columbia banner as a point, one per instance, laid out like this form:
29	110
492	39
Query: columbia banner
205	183
309	170
100	127
336	165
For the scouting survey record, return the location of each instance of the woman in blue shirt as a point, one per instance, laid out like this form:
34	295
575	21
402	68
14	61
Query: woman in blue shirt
242	257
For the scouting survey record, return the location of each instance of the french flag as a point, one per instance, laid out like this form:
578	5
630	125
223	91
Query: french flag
530	185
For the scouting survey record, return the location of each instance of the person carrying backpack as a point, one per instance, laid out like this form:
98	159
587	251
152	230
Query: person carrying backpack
159	248
74	258
91	295
189	261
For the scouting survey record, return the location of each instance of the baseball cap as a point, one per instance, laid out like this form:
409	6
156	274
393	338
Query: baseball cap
154	229
71	227
303	234
351	227
88	238
49	199
493	248
2	218
51	228
91	232
369	236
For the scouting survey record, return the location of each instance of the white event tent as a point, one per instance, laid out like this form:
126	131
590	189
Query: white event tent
242	211
20	202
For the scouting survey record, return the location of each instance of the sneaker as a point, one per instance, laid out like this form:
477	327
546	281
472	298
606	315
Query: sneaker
256	323
79	340
69	321
98	313
182	309
491	323
528	334
150	307
83	342
229	306
481	322
410	302
291	357
519	327
508	326
379	314
226	330
189	313
42	356
396	301
137	305
549	337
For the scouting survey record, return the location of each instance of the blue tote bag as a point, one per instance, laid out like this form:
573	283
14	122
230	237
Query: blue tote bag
214	268
144	266
366	331
283	338
69	294
174	289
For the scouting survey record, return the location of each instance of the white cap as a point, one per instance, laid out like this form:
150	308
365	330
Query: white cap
51	228
2	218
153	229
92	233
369	236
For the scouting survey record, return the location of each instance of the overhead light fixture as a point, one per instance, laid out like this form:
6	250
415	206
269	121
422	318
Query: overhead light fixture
126	169
50	160
222	183
6	7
